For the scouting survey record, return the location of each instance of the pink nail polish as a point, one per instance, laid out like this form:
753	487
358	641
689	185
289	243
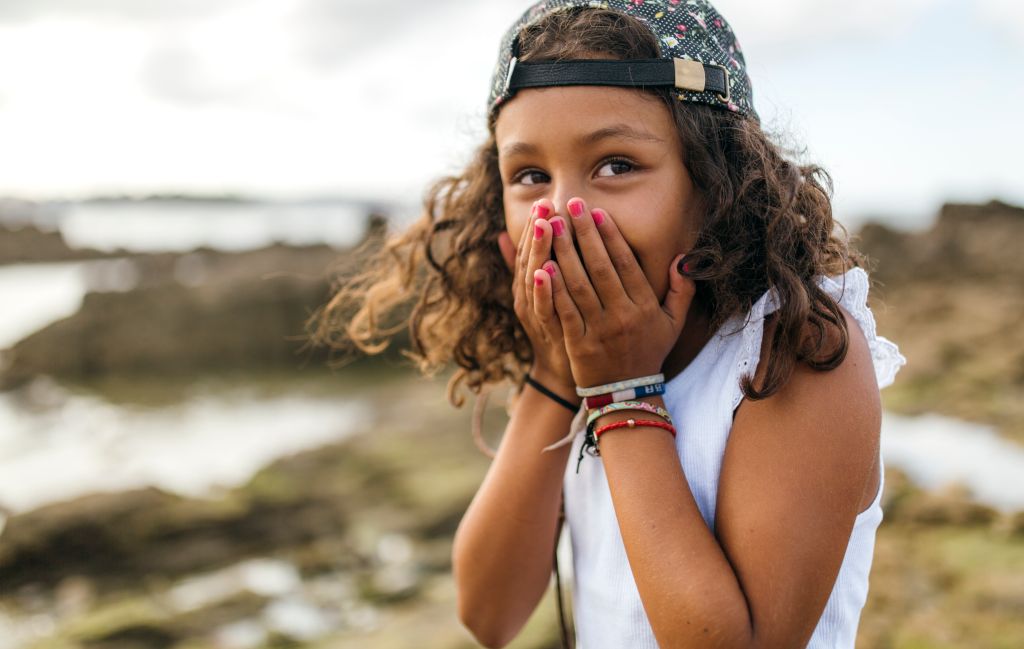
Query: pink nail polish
558	226
542	211
538	232
598	216
576	207
538	281
548	266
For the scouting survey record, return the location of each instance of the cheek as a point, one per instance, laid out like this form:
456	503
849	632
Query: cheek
515	226
514	222
657	234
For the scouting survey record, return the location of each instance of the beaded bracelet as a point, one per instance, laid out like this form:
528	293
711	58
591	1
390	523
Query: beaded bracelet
593	416
630	423
620	385
589	444
625	395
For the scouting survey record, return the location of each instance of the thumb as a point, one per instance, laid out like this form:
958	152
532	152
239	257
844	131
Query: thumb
508	249
680	294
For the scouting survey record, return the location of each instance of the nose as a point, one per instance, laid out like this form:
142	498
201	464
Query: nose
561	193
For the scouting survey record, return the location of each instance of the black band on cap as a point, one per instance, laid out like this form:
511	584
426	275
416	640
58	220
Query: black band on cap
636	73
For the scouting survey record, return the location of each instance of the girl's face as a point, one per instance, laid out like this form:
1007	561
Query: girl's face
617	149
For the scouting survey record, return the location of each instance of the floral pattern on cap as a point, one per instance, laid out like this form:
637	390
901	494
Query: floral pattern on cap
685	29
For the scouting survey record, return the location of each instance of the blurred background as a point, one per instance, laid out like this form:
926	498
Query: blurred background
180	182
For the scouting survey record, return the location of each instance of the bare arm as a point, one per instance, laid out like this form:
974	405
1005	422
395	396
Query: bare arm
792	481
502	551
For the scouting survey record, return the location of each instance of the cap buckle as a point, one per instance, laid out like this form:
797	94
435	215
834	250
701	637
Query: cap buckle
508	76
690	75
728	86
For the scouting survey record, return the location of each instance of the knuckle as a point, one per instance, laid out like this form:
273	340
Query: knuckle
622	258
576	287
618	326
603	271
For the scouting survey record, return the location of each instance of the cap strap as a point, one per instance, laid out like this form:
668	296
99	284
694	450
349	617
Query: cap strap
679	73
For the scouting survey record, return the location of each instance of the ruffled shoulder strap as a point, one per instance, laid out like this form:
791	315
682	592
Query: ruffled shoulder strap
851	291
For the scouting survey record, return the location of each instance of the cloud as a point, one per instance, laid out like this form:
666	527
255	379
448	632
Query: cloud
243	57
146	10
178	75
330	33
784	27
1005	16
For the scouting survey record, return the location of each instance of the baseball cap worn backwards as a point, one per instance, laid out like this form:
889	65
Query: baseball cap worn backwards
700	56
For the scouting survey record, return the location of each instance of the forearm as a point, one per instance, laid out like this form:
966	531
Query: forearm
690	592
501	555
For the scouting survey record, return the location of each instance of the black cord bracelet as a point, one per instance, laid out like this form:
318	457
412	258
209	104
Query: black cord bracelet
548	393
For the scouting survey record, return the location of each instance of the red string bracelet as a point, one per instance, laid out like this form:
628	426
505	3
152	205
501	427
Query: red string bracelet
633	423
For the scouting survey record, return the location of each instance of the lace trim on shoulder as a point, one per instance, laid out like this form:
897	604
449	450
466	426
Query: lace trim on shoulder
885	354
851	291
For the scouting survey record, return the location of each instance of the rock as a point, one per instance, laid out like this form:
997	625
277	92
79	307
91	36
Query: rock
950	297
202	312
117	539
134	637
953	505
30	244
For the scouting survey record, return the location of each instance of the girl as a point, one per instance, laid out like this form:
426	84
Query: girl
630	244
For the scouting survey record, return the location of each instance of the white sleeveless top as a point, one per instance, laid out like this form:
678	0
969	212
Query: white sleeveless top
607	609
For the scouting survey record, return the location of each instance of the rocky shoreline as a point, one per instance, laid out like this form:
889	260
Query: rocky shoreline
369	514
349	544
950	297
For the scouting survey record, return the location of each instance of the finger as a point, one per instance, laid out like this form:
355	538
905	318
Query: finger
543	302
627	266
539	247
524	237
603	274
522	252
574	275
569	315
540	250
681	290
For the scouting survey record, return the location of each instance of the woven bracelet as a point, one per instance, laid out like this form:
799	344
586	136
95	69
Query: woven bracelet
620	385
625	395
593	416
630	423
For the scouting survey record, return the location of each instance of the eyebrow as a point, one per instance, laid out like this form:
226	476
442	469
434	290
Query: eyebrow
616	131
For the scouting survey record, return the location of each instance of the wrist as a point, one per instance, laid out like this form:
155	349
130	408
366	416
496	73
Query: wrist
557	384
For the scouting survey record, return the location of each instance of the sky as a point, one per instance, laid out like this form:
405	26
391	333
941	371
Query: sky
907	103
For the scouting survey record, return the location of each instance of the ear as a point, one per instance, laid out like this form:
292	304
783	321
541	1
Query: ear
508	249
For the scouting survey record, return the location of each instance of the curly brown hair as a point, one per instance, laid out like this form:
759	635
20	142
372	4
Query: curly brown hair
768	225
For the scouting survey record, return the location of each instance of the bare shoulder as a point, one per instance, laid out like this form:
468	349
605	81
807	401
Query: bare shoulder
794	474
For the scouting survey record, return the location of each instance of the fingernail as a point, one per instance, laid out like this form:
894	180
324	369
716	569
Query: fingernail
576	207
548	266
538	232
541	211
558	226
538	281
598	215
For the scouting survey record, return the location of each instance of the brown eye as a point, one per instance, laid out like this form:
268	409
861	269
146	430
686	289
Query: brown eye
615	167
530	177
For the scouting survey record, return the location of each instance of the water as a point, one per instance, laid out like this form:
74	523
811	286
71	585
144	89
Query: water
47	292
36	295
936	450
43	293
55	444
181	226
